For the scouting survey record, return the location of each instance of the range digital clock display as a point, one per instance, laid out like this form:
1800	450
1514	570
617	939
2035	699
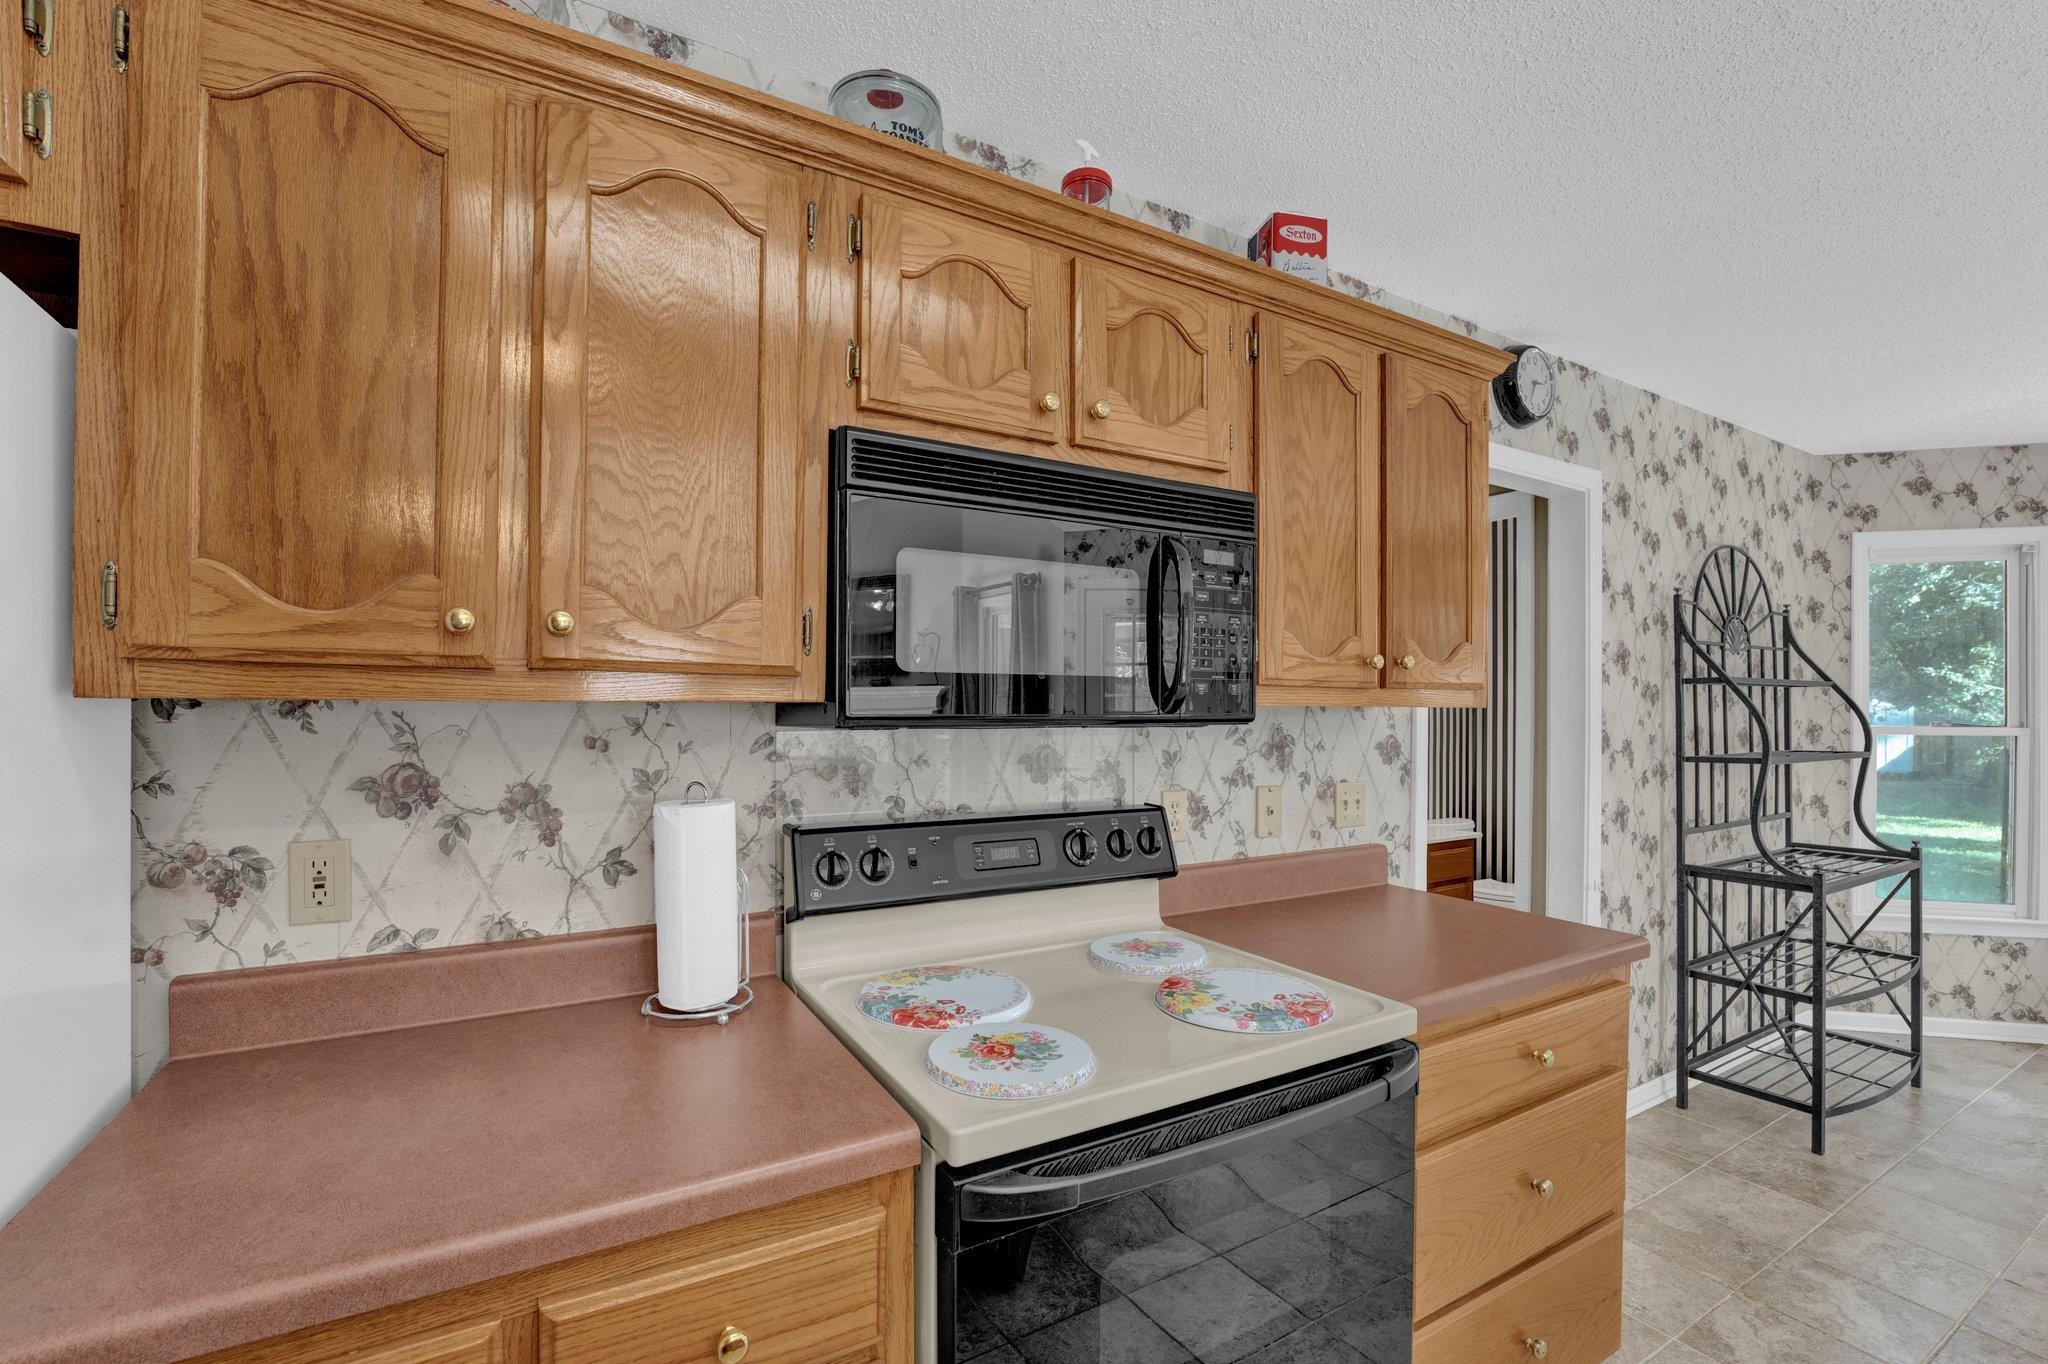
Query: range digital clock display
1011	852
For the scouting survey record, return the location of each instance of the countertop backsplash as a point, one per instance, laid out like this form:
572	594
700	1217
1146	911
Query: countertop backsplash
474	822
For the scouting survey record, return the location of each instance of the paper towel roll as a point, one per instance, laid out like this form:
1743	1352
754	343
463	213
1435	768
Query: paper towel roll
696	903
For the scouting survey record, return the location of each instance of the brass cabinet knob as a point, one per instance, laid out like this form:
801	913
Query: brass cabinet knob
460	620
1379	660
1408	660
1543	1187
1050	402
560	622
732	1345
1544	1057
1101	410
1538	1347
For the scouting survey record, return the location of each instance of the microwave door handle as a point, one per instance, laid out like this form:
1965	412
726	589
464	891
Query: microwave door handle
1168	697
1014	1197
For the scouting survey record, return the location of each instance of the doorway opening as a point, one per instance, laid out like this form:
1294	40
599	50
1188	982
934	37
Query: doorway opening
1506	798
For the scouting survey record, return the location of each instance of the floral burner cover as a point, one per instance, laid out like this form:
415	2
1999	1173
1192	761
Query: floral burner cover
1147	954
1023	1061
1242	999
939	997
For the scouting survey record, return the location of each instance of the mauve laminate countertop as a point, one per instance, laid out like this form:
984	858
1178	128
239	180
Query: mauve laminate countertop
250	1192
1331	912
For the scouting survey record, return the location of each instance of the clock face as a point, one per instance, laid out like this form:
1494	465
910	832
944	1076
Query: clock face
1535	382
1525	390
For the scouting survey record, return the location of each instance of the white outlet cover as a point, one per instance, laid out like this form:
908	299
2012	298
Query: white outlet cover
321	888
1177	820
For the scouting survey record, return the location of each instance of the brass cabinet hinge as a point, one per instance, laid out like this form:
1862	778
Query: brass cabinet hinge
37	22
852	235
807	632
811	226
1251	345
110	594
852	362
118	29
36	117
1233	437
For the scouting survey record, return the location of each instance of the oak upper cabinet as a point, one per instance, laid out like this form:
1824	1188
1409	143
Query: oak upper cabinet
961	322
670	444
1319	514
1158	372
312	361
1436	526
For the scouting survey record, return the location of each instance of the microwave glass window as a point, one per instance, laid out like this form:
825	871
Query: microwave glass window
969	611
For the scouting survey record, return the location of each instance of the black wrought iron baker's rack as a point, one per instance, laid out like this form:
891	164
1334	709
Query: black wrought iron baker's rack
1768	942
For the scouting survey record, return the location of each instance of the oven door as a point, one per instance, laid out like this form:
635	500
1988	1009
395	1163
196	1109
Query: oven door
1273	1223
959	614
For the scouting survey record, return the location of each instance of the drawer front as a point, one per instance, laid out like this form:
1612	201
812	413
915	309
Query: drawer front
1495	1197
1451	861
1472	1076
806	1299
483	1342
1570	1301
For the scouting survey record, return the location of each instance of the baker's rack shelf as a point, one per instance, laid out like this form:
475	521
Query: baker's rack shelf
1768	942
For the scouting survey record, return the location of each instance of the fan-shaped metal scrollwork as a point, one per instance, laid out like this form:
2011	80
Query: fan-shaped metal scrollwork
1731	603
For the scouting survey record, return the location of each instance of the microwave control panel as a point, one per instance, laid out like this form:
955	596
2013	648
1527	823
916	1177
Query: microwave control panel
1222	616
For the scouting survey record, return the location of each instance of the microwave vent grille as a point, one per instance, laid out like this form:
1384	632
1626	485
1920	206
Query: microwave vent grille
1027	484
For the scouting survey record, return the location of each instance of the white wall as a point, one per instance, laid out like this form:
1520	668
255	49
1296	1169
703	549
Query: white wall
64	987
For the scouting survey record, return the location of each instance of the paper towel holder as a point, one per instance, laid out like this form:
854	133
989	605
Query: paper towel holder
652	1007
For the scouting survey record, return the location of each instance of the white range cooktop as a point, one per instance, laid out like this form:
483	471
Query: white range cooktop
1146	1060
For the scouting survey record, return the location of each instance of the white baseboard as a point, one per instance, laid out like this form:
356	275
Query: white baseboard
1982	1029
1650	1093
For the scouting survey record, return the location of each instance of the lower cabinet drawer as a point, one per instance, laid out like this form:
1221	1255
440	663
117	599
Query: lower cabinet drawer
1564	1309
808	1299
1501	1066
1490	1199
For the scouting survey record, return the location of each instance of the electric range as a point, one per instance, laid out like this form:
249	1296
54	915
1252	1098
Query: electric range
1138	1143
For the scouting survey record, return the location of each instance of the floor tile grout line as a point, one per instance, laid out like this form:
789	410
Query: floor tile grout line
1829	1216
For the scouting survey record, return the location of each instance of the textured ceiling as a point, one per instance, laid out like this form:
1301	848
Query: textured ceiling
1825	220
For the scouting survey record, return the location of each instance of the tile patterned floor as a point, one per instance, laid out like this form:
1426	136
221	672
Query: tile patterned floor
1921	1235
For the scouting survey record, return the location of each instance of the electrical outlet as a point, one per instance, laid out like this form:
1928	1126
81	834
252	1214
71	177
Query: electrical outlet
1268	823
320	882
1350	804
1177	824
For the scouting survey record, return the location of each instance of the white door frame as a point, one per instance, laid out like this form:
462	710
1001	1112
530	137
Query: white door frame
1574	614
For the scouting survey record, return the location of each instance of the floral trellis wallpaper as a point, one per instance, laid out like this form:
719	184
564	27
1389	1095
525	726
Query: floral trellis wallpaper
479	823
487	822
1968	976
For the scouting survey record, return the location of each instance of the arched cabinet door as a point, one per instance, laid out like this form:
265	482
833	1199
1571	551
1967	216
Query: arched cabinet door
961	322
671	281
1157	372
1319	513
1436	527
312	355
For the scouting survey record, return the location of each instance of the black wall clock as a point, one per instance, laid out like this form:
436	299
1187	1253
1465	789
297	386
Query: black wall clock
1525	389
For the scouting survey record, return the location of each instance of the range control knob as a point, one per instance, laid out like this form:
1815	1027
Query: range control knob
876	864
833	868
1118	844
1148	840
1080	847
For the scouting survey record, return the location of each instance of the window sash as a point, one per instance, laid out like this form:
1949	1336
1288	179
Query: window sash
2020	549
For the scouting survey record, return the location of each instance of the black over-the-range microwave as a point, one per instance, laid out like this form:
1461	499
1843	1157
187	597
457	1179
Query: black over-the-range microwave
973	587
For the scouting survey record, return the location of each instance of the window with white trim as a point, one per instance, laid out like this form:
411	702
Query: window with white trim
1944	639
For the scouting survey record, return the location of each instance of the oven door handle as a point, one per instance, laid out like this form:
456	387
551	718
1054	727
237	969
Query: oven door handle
1015	1197
1167	698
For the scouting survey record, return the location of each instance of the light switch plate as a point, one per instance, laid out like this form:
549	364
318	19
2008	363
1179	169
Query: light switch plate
1268	823
319	876
1350	804
1176	803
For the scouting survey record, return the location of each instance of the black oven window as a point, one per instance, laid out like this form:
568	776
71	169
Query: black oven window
1299	1253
